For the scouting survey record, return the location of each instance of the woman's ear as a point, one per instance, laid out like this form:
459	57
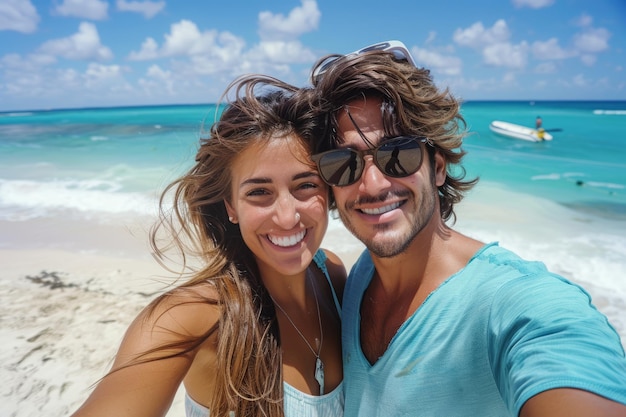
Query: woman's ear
232	214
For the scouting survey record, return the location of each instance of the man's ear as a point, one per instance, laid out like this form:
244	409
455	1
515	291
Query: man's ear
440	168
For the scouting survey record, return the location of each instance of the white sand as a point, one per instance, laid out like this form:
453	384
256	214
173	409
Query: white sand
69	289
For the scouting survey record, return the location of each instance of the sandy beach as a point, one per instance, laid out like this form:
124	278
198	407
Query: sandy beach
69	289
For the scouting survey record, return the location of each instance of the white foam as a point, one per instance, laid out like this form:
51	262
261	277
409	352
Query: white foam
17	114
26	199
605	185
577	245
610	112
546	177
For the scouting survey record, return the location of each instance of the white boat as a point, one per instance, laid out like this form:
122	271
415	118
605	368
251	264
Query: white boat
519	132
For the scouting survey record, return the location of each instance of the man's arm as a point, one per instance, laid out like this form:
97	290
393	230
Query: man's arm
568	402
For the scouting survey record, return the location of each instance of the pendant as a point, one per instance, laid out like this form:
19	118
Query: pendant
319	374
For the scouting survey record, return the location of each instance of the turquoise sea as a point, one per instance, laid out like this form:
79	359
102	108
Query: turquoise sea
584	166
108	160
562	201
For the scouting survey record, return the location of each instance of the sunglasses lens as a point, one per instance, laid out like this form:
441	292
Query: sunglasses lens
399	157
341	167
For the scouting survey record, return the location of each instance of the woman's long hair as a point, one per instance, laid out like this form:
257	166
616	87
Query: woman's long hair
249	378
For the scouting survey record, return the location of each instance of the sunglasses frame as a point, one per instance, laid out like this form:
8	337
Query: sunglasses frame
421	141
399	49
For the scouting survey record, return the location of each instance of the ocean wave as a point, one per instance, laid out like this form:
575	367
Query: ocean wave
610	112
17	114
22	200
604	185
576	177
552	177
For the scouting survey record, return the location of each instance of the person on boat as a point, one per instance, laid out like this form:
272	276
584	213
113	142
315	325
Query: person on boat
255	330
541	133
436	323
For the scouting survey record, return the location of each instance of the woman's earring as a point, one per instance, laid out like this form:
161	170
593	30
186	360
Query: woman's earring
232	220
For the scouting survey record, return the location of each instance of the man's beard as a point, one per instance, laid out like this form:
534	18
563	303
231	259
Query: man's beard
398	241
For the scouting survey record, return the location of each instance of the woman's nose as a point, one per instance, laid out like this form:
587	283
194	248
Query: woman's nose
286	214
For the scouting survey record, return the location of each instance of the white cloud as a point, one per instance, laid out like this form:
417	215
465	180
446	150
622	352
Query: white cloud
579	80
15	61
186	39
148	9
546	68
83	45
506	55
95	70
33	62
183	39
533	4
509	78
158	79
273	27
18	15
445	64
210	51
584	20
158	73
149	50
550	49
84	9
592	40
476	36
432	35
282	52
494	44
588	60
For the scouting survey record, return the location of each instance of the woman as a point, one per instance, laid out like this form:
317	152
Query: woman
258	320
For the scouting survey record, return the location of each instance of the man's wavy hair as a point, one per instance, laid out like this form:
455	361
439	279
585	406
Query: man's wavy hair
412	105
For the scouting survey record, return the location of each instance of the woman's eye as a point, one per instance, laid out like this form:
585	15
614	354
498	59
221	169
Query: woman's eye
309	185
256	192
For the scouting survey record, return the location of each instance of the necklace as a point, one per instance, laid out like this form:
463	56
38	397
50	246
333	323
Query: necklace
319	365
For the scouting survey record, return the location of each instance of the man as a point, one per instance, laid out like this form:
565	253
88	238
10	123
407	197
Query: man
435	323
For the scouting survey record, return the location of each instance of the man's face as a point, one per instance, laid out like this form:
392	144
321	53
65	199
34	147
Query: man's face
385	213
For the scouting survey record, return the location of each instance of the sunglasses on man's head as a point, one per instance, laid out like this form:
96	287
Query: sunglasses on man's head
398	49
396	157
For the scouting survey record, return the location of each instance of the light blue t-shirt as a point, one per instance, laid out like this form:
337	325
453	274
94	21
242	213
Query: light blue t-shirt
296	403
493	335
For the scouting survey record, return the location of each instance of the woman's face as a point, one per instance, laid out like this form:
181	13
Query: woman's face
280	204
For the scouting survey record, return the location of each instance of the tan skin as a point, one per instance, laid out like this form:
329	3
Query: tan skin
147	390
402	282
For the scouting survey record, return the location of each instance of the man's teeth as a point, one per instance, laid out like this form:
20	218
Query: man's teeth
381	210
286	241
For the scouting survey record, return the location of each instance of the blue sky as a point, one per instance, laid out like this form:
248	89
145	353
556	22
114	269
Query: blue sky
99	53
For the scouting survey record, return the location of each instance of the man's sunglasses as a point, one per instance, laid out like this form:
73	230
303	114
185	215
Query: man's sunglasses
396	157
398	49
